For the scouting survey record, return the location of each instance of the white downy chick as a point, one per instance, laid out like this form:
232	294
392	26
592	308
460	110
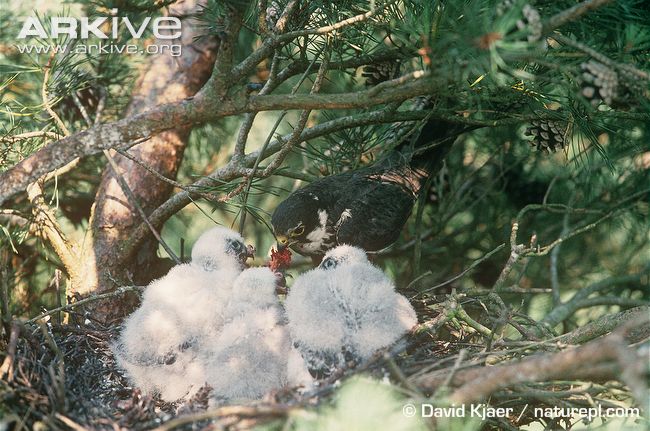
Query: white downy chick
250	357
253	289
160	340
346	309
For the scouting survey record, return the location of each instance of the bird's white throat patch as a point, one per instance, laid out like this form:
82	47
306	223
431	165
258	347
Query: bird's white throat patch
317	236
322	218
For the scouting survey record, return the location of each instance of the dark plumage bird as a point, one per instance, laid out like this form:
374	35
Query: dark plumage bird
366	208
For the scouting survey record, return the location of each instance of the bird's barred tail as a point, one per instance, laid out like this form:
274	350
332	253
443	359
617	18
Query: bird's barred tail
422	146
427	148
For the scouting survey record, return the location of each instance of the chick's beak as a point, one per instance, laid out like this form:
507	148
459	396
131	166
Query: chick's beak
280	284
249	253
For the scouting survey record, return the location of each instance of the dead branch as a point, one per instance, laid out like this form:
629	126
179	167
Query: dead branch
133	200
117	292
31	135
339	25
464	272
7	367
69	422
152	171
606	324
564	310
481	382
276	410
198	110
5	314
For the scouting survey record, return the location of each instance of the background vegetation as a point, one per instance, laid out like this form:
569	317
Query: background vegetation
532	239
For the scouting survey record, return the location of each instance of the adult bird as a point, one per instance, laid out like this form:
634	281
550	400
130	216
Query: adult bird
366	208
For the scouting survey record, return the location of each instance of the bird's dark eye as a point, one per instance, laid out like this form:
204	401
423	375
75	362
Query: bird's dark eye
328	263
298	231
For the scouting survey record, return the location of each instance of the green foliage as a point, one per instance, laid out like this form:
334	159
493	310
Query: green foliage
361	404
493	73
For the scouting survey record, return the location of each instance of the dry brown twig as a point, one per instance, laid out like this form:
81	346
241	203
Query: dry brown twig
117	292
134	201
478	383
7	367
44	216
256	411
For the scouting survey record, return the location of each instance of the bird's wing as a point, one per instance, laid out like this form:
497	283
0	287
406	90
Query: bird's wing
373	218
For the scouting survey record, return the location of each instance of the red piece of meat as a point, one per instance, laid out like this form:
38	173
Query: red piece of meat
280	259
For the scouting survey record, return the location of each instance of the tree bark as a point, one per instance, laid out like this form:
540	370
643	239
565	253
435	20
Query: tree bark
167	79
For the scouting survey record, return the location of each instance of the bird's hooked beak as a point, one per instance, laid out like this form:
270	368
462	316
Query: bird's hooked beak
282	242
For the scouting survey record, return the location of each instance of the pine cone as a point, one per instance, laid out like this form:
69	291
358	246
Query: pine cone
504	6
548	135
599	83
532	21
631	85
379	72
273	12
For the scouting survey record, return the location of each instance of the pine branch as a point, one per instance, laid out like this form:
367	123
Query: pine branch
572	14
339	25
124	133
152	171
44	216
604	325
557	366
117	292
134	201
580	300
234	170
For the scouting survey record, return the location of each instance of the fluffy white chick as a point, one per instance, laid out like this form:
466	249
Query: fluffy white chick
160	340
254	289
346	309
251	355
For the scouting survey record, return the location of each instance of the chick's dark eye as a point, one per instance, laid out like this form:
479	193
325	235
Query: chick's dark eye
328	263
298	231
236	246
